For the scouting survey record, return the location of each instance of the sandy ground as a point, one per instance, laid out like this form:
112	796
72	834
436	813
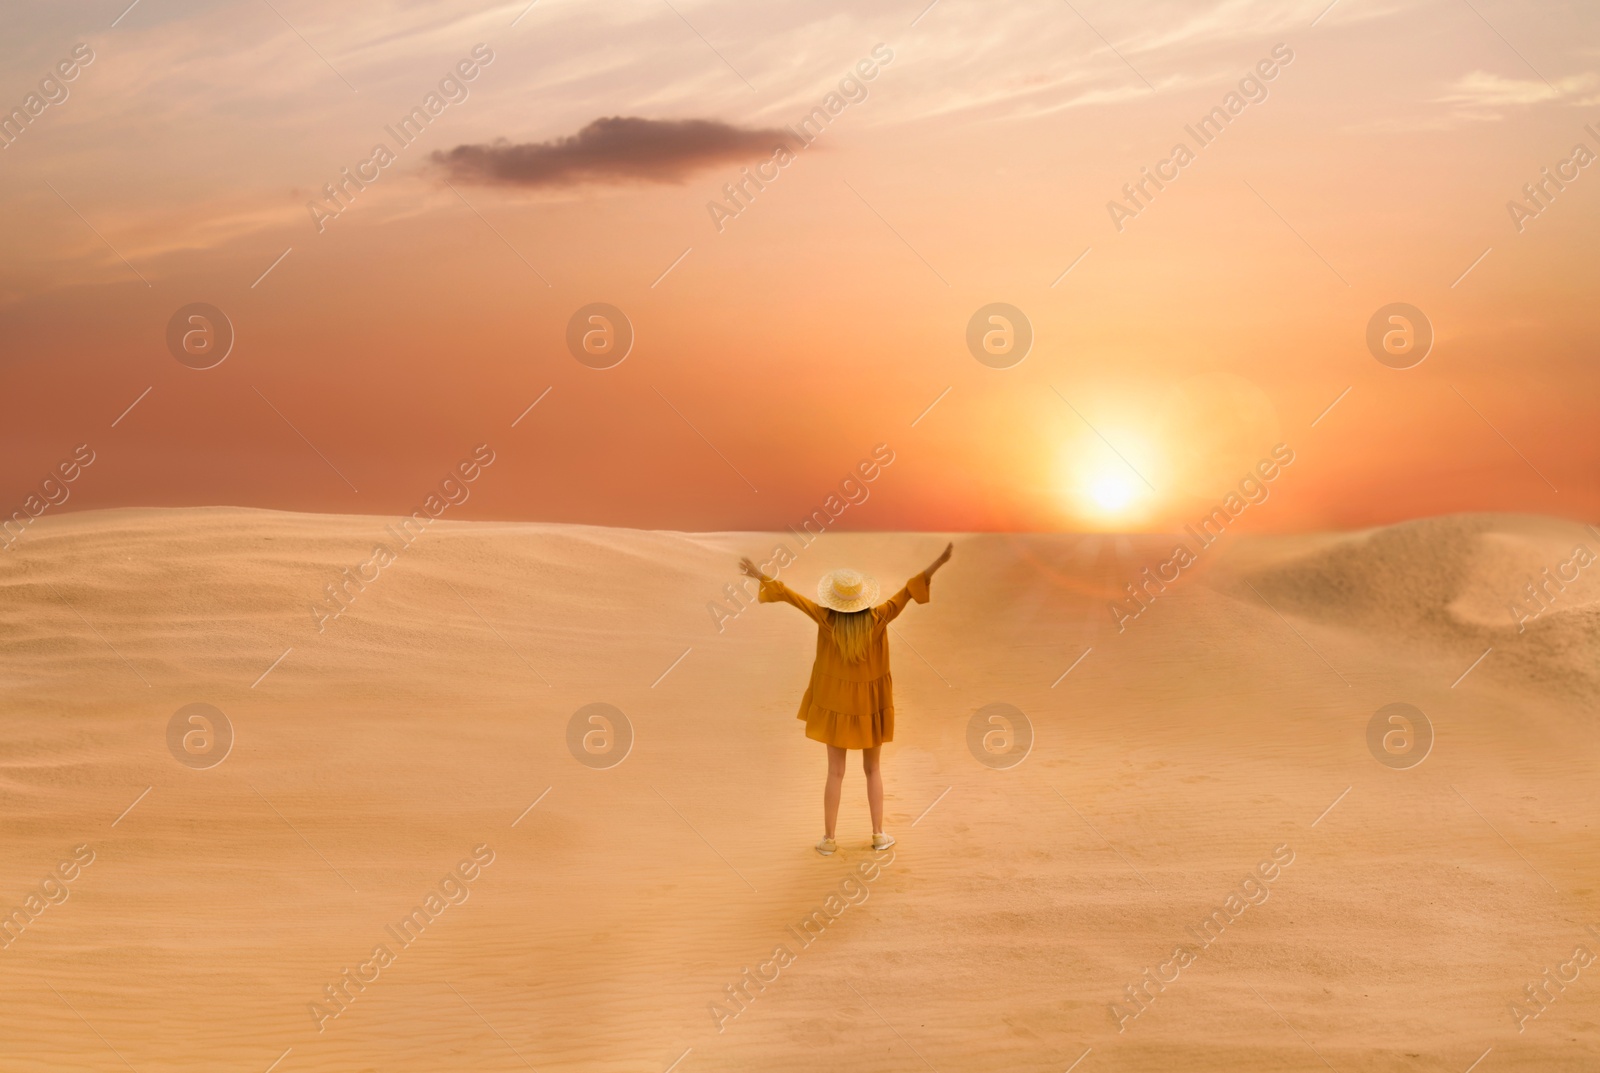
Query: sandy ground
1228	721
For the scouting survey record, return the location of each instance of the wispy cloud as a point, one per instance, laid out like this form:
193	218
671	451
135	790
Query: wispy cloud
1483	90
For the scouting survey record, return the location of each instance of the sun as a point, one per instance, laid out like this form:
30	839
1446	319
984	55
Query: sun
1103	490
1112	492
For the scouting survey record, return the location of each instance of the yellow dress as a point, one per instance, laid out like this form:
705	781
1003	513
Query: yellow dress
849	705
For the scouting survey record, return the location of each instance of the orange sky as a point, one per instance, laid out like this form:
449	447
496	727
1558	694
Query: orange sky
827	316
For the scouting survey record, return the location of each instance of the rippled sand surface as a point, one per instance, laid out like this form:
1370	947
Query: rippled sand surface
605	916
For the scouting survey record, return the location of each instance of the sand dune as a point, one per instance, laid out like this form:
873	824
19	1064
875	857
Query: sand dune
1221	735
1528	586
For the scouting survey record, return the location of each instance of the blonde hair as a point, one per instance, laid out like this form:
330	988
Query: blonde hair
852	632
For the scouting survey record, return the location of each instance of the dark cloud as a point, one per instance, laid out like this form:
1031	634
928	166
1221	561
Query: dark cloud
612	149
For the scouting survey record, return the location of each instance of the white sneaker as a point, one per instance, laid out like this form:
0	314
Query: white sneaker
827	846
882	840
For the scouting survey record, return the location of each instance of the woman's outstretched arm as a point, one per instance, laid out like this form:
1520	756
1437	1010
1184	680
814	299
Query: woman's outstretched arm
944	557
773	591
915	589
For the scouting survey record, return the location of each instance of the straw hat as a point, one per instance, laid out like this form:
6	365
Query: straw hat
847	590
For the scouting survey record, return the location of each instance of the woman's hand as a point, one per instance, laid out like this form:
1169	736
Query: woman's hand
944	557
749	569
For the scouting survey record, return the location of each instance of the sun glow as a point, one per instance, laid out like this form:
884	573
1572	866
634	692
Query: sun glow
1112	492
1143	461
1102	488
1108	490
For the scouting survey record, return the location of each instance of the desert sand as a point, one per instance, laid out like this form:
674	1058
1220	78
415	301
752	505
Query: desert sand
1226	723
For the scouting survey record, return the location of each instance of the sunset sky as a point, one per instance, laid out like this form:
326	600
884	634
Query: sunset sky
775	349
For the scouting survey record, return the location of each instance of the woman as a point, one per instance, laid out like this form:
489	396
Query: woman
848	704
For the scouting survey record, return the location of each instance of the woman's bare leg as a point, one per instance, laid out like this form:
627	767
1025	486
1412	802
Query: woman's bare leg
869	765
830	793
